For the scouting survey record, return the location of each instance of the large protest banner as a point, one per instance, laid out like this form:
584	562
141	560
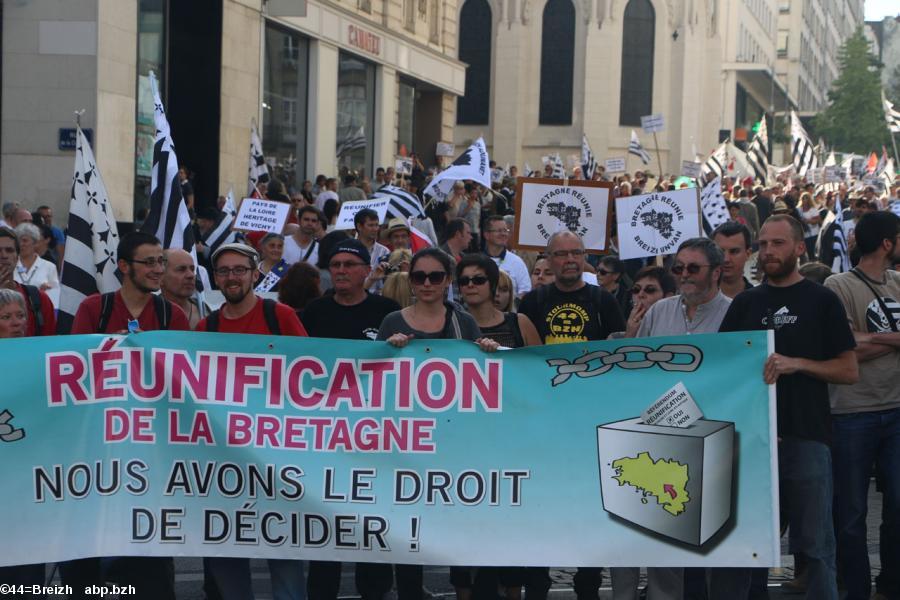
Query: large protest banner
628	452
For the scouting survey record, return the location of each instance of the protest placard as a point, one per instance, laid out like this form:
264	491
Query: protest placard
615	165
257	214
403	165
655	224
652	123
545	206
691	169
349	210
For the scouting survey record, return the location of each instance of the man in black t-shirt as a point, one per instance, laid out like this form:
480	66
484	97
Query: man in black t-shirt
813	347
570	310
351	313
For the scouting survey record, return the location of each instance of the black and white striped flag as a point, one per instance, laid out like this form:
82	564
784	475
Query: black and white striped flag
353	140
634	147
221	232
891	115
713	206
803	152
717	162
758	153
169	219
588	162
402	203
471	165
91	239
841	261
559	170
259	169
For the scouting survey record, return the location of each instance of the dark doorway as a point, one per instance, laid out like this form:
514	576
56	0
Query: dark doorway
193	91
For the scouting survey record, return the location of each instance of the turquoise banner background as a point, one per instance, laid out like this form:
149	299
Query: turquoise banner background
549	431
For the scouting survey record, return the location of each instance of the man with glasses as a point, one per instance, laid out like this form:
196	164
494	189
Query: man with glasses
135	306
496	238
700	305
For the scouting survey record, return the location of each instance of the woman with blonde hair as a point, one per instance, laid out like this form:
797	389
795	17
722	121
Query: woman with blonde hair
504	297
396	287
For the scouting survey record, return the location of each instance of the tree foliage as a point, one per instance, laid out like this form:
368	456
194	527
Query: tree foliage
854	119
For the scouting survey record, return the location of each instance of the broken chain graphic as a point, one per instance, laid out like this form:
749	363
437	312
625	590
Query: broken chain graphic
664	357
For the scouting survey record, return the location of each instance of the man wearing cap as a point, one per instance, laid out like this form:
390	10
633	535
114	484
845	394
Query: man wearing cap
398	234
236	268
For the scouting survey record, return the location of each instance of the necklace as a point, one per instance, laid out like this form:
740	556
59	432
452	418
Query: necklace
27	274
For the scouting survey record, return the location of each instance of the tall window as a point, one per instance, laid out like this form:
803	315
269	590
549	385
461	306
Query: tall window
406	115
475	50
355	115
151	57
636	97
557	63
285	83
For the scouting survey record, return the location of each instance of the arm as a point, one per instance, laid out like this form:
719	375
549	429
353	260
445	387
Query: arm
841	369
890	339
529	331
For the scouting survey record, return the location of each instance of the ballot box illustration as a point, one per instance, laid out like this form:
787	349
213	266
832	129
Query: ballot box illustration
674	481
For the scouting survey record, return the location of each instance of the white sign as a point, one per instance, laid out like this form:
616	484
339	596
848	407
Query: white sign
403	165
691	169
445	149
349	210
676	408
656	224
257	214
496	175
652	123
614	165
544	209
834	174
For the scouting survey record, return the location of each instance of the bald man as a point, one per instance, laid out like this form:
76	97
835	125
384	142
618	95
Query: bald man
179	282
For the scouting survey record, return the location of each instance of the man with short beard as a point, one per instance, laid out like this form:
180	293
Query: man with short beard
179	283
813	347
866	416
303	245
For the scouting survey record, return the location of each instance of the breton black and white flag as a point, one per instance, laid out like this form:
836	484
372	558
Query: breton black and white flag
713	206
222	232
717	162
402	203
472	165
259	169
802	149
891	115
588	162
168	219
353	139
634	147
559	170
91	238
841	262
758	153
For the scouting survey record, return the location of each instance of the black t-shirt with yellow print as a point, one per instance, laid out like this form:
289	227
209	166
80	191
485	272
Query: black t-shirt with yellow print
589	313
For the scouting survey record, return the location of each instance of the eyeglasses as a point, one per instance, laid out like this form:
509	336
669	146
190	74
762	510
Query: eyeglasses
692	268
346	264
151	262
501	231
237	271
647	289
576	253
476	280
434	277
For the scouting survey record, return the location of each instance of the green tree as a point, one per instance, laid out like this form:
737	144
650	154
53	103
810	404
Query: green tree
854	119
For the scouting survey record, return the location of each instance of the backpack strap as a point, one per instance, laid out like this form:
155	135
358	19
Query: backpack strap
887	313
163	311
212	321
34	300
106	308
271	317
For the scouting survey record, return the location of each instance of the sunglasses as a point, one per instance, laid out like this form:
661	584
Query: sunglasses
434	277
649	289
476	280
692	268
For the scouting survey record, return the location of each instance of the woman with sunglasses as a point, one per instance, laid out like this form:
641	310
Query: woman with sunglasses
430	317
651	284
478	277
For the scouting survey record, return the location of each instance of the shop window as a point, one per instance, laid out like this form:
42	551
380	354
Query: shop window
557	63
475	50
636	89
355	115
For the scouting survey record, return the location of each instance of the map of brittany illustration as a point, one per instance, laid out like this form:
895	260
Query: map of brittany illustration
568	215
660	221
665	480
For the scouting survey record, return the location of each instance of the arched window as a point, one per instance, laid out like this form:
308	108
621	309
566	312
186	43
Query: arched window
636	91
557	63
475	50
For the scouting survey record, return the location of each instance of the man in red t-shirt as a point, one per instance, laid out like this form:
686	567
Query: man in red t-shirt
9	258
236	268
134	307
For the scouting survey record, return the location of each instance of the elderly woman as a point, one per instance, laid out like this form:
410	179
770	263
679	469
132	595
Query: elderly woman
13	315
32	269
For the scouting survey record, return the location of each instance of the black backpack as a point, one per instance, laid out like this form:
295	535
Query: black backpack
212	321
34	300
160	306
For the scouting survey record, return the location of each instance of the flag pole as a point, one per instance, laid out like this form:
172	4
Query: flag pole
894	143
658	159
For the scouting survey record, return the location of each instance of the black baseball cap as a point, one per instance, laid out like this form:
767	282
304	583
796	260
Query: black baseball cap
352	246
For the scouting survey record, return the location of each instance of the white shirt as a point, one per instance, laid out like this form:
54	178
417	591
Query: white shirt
41	272
294	253
324	197
517	271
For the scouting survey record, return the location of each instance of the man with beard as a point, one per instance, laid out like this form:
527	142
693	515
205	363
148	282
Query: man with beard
236	268
133	308
866	416
303	245
813	347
